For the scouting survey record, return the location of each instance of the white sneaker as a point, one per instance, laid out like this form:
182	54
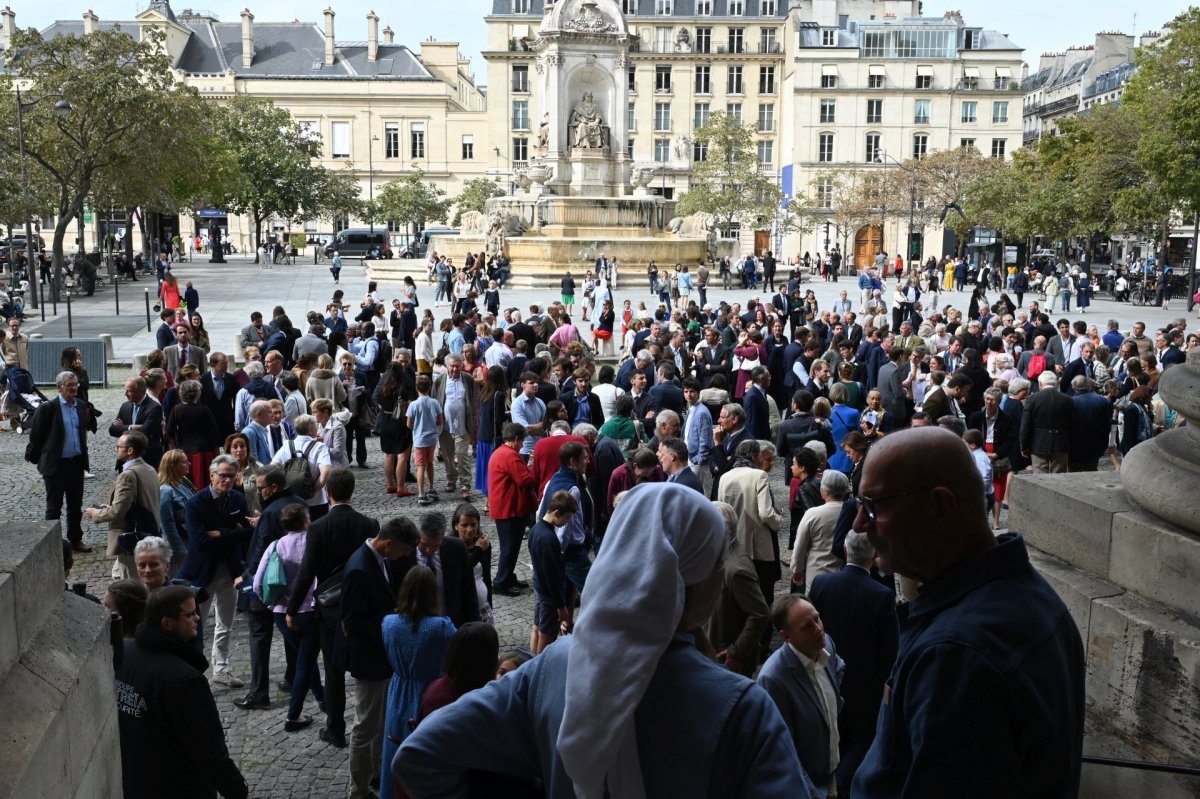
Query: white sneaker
227	679
88	475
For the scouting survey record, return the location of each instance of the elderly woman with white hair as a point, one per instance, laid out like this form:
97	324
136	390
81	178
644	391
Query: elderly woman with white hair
627	706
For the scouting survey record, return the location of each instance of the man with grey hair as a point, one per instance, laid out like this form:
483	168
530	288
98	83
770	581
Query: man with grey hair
729	432
308	447
1046	426
136	486
642	362
1090	425
860	614
218	515
1018	391
245	397
740	618
813	553
455	393
666	425
257	430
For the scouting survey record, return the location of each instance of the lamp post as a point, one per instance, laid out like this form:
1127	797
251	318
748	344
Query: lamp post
62	108
371	181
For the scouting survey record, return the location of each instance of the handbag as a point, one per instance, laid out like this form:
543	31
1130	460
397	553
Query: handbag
275	581
748	364
328	593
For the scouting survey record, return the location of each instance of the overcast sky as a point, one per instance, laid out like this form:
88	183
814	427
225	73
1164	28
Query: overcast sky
1036	25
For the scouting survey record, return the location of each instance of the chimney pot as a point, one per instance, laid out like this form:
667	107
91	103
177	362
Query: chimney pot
372	36
389	35
329	36
247	38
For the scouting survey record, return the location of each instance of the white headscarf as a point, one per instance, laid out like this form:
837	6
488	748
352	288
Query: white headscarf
662	537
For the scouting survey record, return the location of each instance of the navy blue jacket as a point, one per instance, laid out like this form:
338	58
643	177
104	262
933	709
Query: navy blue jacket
1090	426
758	414
549	569
667	396
367	597
205	553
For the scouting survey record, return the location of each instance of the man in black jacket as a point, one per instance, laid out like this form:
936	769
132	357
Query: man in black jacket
370	582
1046	427
141	412
172	742
58	445
330	542
218	390
798	429
447	559
731	431
274	494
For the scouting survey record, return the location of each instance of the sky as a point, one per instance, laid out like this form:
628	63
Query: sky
1036	25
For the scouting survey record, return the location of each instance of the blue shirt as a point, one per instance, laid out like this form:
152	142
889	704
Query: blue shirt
455	341
528	411
424	412
70	414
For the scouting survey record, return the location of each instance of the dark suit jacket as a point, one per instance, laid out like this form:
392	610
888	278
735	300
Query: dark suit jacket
936	405
1173	356
1006	434
1072	370
721	455
328	545
687	477
459	600
571	403
367	597
150	417
1046	424
205	554
758	414
164	336
860	615
47	432
1090	427
222	409
667	396
711	364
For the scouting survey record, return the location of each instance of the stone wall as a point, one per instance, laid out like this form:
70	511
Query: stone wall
60	735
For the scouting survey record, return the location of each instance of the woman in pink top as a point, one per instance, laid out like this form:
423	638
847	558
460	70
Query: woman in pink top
300	631
565	334
749	348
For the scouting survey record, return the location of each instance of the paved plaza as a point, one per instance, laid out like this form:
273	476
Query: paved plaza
277	763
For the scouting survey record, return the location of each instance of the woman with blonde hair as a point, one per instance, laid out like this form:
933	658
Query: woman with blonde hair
238	445
175	488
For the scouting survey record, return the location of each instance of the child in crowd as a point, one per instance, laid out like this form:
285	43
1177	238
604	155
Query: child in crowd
425	419
555	597
974	441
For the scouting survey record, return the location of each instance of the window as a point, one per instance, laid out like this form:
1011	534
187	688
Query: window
520	6
704	39
825	193
874	112
920	145
700	118
520	78
971	39
662	78
900	42
829	77
828	112
629	6
339	139
662	150
874	151
468	147
966	144
704	8
768	40
629	148
664	8
416	139
700	151
921	112
733	85
828	38
310	129
737	40
999	146
1001	83
394	226
520	151
970	111
766	80
391	140
662	40
632	78
1000	112
970	83
703	80
878	77
924	79
340	222
737	8
766	8
766	118
631	117
734	110
825	148
520	114
662	117
766	153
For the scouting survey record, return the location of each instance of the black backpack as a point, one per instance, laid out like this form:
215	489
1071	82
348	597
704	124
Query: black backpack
299	474
383	355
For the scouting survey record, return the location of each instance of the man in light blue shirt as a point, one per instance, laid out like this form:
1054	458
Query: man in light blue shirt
697	432
529	411
454	339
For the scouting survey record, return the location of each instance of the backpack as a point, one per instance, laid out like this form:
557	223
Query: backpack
383	355
299	474
1037	365
275	583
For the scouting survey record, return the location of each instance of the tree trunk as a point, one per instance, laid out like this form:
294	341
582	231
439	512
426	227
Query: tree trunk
258	220
129	214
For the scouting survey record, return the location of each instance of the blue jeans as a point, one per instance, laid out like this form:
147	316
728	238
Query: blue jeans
306	639
1066	300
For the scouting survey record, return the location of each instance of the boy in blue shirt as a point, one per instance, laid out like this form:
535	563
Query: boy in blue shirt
425	419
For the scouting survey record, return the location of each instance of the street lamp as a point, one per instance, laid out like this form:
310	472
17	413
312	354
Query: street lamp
62	108
371	182
912	206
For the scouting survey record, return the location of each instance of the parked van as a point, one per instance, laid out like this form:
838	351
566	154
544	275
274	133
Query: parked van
429	233
358	242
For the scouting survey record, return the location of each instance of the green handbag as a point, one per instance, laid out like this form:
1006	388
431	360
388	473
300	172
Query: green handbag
274	579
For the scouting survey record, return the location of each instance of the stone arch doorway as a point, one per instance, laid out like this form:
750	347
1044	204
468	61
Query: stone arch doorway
867	241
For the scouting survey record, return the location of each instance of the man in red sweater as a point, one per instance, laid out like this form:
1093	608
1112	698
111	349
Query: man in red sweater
543	463
511	501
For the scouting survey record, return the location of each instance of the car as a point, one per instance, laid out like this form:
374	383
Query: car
1044	253
361	242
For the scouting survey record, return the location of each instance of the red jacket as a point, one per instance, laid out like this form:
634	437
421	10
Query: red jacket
543	463
510	485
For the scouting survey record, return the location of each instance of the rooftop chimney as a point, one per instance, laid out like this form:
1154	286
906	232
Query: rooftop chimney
90	21
388	35
8	28
329	37
372	36
247	37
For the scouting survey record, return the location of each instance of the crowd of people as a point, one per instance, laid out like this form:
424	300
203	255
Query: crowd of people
647	493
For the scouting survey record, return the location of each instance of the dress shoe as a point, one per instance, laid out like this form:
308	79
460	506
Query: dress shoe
292	725
252	702
332	738
227	679
81	547
509	590
521	584
284	686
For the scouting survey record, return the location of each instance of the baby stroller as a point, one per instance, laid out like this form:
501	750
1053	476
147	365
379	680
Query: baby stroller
20	395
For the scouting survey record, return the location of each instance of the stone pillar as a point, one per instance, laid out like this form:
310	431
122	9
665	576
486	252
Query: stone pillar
8	28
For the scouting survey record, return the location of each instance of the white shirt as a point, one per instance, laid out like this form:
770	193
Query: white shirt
819	674
608	394
317	458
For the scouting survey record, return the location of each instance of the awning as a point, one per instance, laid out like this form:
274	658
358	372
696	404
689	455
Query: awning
520	31
829	69
1003	72
925	70
878	69
971	72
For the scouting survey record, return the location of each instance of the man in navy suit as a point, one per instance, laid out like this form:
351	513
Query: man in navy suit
218	390
804	677
860	614
58	445
1089	426
448	560
140	412
729	431
370	582
666	394
758	410
219	527
673	457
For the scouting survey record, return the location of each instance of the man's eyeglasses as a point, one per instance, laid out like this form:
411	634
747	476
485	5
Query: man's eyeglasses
183	614
224	475
869	505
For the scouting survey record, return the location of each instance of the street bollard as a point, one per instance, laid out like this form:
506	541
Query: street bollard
70	322
117	295
147	291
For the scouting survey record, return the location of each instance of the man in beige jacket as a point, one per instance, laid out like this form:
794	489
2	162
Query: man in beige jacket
137	482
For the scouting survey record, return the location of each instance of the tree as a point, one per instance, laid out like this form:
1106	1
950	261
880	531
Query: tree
412	200
276	173
729	183
122	94
945	177
474	196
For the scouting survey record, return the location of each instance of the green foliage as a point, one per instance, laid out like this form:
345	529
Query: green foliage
412	201
730	183
474	196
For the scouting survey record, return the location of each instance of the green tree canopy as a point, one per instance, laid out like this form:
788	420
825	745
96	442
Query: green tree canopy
412	200
730	183
474	196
